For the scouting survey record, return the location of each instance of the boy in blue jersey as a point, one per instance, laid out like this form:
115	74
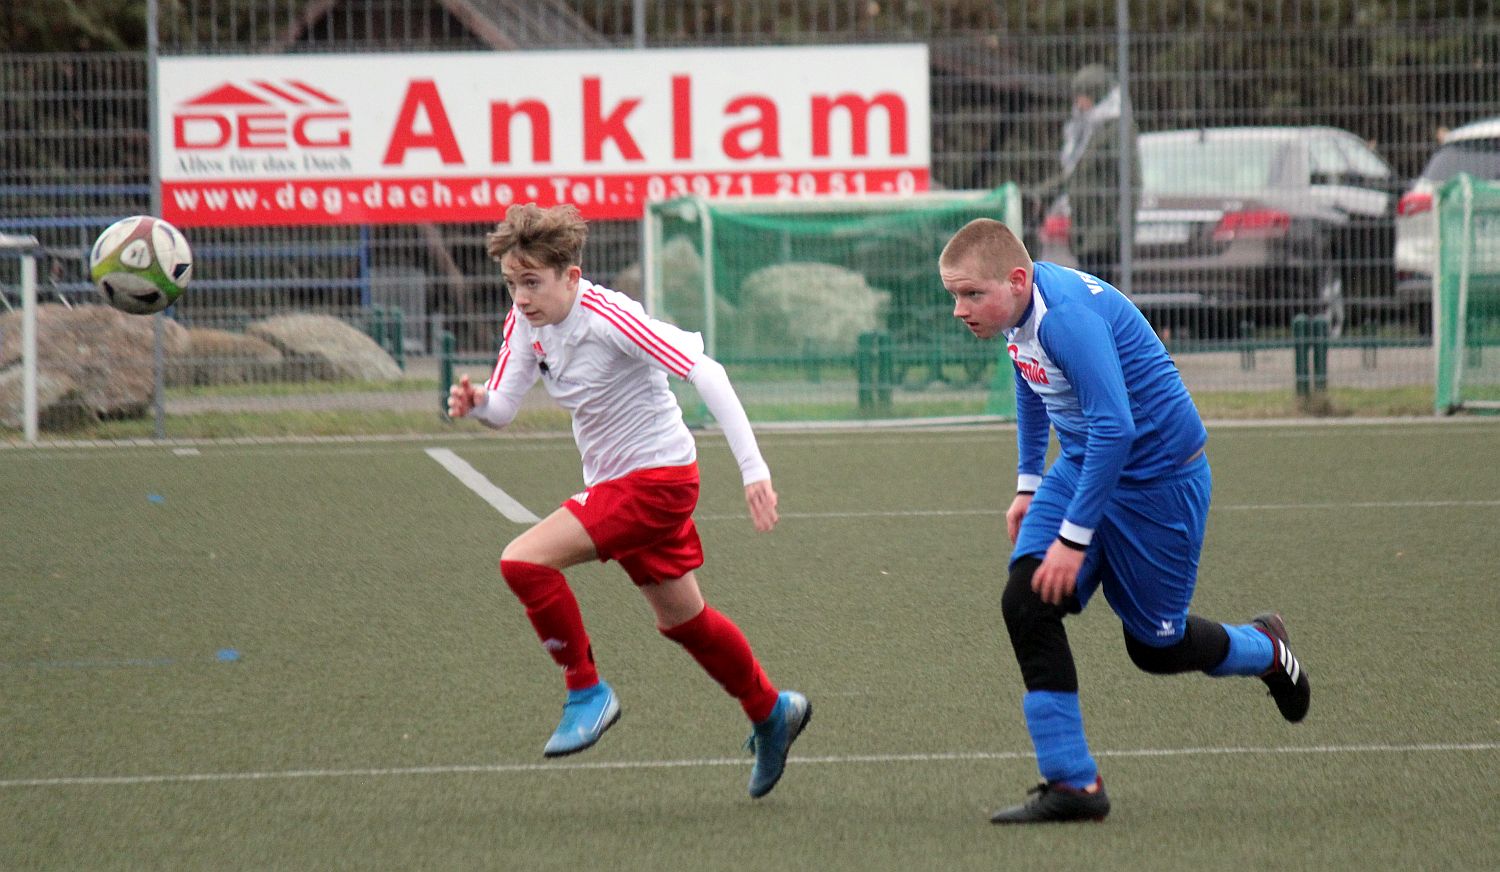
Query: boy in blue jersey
1121	510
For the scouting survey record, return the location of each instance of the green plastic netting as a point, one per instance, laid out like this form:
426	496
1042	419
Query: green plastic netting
829	310
1467	311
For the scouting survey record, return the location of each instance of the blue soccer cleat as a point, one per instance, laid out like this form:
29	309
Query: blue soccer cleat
772	738
586	715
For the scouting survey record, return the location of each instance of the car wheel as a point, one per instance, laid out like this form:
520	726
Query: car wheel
1332	301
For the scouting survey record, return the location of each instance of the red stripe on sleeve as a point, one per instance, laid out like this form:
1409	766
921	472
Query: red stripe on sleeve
500	361
499	372
640	334
644	338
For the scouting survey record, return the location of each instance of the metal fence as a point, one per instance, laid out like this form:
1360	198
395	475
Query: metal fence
74	148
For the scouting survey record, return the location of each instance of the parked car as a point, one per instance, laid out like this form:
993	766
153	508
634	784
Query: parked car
1257	224
1473	149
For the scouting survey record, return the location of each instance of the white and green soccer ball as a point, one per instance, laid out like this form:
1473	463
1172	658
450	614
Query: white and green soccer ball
141	264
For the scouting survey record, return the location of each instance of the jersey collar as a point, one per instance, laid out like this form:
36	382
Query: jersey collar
584	285
1029	311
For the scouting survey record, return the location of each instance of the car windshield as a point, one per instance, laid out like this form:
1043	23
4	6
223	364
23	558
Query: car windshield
1477	157
1211	166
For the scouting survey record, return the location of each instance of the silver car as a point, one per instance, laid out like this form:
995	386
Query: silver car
1258	224
1473	149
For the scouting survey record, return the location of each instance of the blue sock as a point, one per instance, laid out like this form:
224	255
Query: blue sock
1250	652
1056	725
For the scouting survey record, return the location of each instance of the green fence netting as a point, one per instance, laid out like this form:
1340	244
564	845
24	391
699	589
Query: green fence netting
1467	310
829	310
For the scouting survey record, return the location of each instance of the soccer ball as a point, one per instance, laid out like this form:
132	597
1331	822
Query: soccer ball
141	264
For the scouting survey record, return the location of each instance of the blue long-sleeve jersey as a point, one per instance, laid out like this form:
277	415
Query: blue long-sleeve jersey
1089	364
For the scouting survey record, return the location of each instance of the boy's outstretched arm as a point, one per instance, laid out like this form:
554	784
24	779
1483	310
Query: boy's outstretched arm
713	385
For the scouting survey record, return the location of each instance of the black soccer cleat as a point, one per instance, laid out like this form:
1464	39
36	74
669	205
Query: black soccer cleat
1054	802
1286	678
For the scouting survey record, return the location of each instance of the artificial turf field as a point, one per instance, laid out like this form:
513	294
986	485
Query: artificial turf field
386	701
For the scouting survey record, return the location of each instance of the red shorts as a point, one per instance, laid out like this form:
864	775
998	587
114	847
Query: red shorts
644	521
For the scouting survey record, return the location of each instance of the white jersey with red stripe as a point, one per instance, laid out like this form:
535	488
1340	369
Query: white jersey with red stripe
607	363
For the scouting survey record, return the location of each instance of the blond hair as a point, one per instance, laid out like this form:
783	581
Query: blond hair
539	237
987	248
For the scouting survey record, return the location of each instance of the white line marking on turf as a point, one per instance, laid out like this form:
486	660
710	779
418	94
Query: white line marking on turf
475	481
50	450
1280	428
518	768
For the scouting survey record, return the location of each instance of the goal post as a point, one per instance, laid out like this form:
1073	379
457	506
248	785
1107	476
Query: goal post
25	248
1466	307
829	309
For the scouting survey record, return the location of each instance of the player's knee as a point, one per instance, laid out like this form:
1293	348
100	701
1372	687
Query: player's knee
1202	647
1155	660
1022	606
516	551
525	549
532	583
1036	633
1019	604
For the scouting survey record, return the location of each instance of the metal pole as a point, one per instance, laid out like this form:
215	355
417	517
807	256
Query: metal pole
27	249
710	288
649	235
158	325
638	22
1126	216
28	347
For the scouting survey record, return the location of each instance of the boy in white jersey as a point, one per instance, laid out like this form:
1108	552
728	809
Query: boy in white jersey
1122	509
605	361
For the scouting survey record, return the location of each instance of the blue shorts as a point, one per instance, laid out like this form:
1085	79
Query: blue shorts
1145	549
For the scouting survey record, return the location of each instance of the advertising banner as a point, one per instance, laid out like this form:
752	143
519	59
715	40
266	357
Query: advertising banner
400	138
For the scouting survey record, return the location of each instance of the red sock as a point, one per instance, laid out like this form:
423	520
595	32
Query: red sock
724	653
554	613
